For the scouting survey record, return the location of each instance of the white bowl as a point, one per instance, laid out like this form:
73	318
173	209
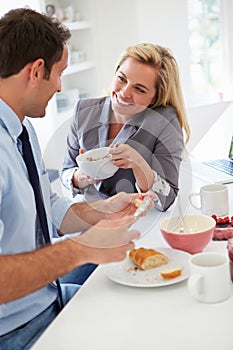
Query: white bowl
94	165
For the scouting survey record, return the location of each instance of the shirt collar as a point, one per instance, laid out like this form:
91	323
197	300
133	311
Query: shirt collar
106	111
9	120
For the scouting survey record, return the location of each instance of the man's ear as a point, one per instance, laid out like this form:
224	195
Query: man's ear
37	70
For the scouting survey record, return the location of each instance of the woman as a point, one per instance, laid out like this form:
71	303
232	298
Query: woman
145	116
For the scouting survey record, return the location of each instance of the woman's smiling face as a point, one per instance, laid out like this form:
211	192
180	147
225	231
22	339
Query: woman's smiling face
133	87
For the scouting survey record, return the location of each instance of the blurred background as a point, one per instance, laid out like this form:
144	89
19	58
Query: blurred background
197	31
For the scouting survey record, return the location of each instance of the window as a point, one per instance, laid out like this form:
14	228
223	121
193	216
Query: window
206	47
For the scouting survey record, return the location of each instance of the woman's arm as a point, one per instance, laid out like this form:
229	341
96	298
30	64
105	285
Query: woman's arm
126	157
69	166
83	133
162	138
166	160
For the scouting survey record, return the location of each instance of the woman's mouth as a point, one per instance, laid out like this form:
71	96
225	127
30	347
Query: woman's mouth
125	108
122	103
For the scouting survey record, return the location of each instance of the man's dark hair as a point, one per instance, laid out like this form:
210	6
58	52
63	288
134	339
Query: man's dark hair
25	36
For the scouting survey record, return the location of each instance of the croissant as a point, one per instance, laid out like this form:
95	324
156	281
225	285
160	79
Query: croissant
147	258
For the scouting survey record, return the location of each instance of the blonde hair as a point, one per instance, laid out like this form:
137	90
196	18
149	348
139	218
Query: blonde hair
168	87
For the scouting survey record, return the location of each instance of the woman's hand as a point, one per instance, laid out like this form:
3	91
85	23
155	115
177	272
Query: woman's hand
81	180
126	157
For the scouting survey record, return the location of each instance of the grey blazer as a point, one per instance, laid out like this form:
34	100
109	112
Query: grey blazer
155	133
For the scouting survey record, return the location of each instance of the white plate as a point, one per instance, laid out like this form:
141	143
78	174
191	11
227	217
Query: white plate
124	272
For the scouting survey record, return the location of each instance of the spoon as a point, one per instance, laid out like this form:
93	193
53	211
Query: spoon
107	155
181	229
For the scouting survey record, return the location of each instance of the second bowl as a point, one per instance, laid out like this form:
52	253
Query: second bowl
198	232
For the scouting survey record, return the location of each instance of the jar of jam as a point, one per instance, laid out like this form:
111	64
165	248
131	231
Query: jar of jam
230	254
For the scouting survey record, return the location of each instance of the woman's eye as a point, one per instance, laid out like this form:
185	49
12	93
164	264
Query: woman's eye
121	78
139	89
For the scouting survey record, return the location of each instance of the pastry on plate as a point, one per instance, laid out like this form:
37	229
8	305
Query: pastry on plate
171	273
147	258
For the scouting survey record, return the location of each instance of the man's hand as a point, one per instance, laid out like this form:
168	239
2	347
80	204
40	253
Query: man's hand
123	204
81	216
107	241
109	233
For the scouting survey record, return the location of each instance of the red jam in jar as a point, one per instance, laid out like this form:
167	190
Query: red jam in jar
230	254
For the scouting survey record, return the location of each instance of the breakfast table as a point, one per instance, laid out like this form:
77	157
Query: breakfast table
108	315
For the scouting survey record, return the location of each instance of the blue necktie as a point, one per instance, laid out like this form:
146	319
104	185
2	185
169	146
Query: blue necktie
34	179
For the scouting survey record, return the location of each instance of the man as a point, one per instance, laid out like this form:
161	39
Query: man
33	55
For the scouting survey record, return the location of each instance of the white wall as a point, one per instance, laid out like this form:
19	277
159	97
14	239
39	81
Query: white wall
126	22
121	23
115	25
166	23
7	5
118	24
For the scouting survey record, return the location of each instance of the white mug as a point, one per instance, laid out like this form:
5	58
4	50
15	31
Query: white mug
213	200
209	280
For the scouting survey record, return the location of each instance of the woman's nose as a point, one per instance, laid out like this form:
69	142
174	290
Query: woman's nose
126	91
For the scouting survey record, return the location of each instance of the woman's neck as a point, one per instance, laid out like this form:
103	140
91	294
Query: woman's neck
119	118
115	126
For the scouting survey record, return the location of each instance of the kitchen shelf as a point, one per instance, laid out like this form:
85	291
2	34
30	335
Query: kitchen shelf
79	67
78	25
80	74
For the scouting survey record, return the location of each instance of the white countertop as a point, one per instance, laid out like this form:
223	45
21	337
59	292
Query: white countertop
104	315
